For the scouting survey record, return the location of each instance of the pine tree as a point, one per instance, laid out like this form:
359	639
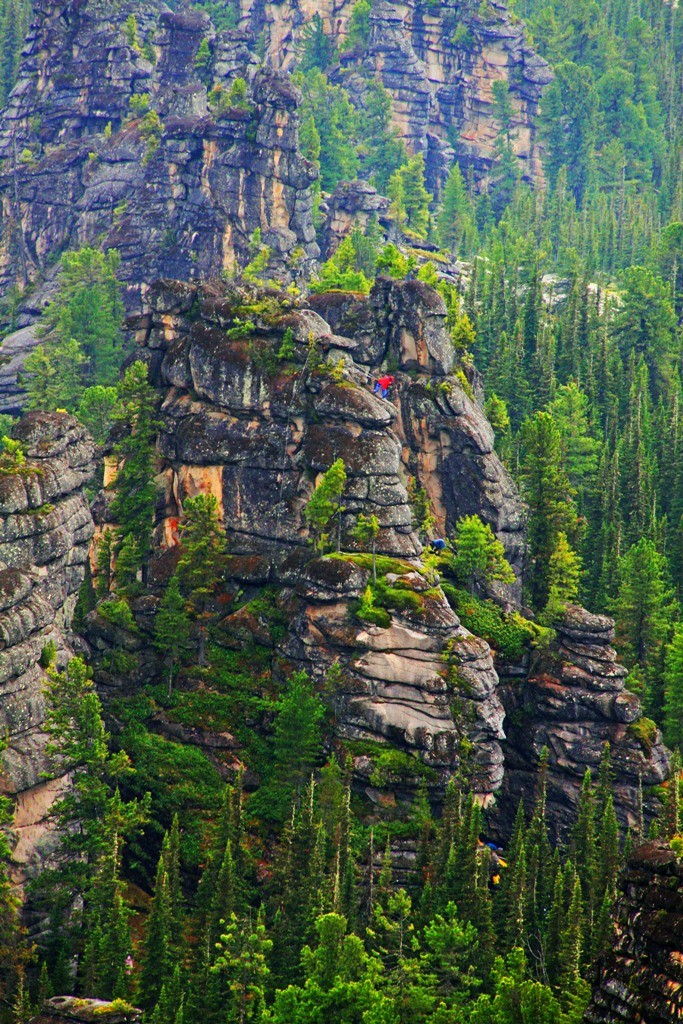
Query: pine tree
88	310
135	493
296	746
325	503
454	224
479	557
242	961
563	578
366	531
410	198
673	690
203	559
172	628
14	952
104	560
570	943
78	746
108	944
157	960
127	567
609	855
549	496
583	844
643	610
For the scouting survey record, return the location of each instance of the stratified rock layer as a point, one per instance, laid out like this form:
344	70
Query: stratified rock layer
80	164
45	532
641	978
439	63
257	431
571	699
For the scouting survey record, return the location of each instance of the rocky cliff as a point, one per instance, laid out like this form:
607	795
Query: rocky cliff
257	431
641	978
438	62
45	533
117	135
571	699
256	424
122	132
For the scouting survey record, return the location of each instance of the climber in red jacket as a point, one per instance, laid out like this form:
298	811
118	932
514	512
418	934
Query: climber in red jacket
382	386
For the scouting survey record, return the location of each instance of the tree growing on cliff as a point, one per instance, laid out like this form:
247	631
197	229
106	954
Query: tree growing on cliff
564	577
78	746
135	492
365	532
88	310
336	127
381	148
341	271
87	814
296	747
96	411
325	503
172	628
479	556
203	559
410	198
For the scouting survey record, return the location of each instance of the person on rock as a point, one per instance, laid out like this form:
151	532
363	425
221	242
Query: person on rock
382	385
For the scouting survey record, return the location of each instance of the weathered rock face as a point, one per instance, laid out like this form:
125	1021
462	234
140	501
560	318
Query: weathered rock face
439	63
256	431
571	699
446	441
45	532
80	165
641	978
353	204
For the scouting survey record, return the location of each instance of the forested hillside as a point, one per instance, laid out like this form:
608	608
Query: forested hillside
343	357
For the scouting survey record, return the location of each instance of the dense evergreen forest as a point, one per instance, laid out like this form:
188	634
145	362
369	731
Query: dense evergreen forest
281	900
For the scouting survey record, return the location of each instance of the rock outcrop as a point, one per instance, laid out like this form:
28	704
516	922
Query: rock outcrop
571	699
354	204
116	136
257	429
61	1009
641	978
45	532
439	63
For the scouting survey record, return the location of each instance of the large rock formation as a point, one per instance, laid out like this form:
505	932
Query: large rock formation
641	978
439	63
257	431
45	532
121	132
571	699
179	196
256	424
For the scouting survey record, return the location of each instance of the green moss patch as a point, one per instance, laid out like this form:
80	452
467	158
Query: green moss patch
645	732
510	635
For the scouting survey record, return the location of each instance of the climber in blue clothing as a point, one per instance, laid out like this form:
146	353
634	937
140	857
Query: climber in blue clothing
438	544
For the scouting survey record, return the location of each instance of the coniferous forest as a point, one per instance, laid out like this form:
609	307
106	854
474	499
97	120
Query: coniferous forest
228	839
